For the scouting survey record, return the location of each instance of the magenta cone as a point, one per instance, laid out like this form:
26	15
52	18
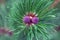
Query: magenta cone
35	20
26	19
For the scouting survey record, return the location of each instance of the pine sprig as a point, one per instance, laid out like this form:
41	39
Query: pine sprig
19	10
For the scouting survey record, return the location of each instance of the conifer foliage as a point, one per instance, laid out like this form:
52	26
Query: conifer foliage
26	19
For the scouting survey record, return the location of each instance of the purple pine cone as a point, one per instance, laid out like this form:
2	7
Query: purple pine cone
35	20
10	33
26	19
